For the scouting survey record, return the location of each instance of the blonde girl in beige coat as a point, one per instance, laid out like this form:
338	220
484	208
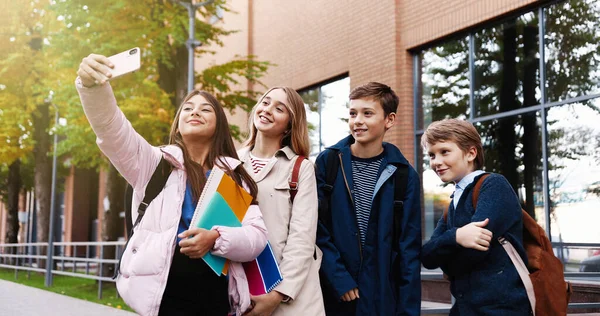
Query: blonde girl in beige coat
278	136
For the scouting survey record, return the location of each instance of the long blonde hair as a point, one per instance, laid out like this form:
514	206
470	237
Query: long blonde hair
297	137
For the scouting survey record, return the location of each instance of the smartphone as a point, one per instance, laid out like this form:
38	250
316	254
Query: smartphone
125	62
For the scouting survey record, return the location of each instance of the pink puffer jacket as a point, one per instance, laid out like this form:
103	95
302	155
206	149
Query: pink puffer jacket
146	261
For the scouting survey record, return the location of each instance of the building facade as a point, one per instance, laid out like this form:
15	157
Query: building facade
525	72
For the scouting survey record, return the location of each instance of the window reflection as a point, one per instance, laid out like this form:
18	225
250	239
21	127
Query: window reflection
506	66
571	42
311	105
334	112
444	82
512	147
327	111
574	172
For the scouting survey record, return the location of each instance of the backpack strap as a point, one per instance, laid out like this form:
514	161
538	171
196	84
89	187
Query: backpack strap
155	185
511	251
400	185
331	169
477	188
294	181
475	196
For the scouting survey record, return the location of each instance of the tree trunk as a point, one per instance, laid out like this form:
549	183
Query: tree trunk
115	190
531	154
506	127
43	174
174	80
12	220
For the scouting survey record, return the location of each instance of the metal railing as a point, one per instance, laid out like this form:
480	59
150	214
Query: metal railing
75	259
86	260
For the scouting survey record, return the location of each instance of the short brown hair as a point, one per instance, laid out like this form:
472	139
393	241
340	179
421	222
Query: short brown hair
378	92
461	132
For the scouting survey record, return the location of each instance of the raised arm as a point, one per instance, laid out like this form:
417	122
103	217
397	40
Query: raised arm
115	136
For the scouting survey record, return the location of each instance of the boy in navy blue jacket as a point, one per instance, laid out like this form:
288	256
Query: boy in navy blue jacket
465	244
364	270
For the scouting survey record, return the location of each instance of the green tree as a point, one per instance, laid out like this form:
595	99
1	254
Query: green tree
24	103
150	96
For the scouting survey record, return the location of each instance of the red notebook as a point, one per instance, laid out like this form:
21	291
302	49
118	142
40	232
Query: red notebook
263	272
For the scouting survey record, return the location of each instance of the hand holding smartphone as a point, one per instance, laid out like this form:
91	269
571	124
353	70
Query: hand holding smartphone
97	69
125	62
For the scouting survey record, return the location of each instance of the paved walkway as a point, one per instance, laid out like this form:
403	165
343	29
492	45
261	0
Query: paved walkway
17	299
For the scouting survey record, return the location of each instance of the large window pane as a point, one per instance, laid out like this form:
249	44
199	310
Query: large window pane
444	85
327	113
311	105
571	40
506	63
574	172
334	112
512	147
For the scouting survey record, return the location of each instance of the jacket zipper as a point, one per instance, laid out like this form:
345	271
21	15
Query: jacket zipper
353	208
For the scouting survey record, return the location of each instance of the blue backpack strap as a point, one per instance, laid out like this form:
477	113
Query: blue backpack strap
331	170
400	185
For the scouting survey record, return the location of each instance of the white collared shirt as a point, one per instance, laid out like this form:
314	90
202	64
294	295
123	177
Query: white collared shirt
463	183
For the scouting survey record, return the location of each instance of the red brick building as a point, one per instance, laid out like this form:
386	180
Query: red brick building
524	72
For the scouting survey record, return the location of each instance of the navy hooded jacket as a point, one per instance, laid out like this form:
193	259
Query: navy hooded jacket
483	282
383	289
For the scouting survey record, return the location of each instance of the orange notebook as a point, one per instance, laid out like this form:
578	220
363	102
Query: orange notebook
222	203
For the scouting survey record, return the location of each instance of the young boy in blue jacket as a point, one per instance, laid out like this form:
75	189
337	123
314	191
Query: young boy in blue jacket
365	270
465	245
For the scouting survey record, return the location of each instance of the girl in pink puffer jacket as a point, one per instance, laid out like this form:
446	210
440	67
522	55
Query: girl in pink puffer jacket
162	272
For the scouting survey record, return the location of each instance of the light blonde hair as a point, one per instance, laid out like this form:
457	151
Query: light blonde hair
460	132
297	135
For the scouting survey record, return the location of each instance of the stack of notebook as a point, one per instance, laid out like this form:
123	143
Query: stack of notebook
224	203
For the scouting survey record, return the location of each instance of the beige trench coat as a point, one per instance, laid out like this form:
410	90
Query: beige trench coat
292	229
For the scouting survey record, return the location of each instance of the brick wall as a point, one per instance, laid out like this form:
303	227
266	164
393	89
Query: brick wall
312	41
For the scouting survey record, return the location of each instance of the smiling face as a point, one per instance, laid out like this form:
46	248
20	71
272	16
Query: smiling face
197	119
271	115
368	122
449	162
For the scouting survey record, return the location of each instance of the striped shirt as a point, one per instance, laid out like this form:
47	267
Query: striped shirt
258	163
365	172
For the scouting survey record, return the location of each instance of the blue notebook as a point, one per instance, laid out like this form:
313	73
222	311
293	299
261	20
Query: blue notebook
263	273
217	213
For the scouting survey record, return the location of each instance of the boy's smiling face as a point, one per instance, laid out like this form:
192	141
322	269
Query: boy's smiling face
450	162
368	122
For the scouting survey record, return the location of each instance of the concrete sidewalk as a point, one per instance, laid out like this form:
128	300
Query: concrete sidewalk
17	299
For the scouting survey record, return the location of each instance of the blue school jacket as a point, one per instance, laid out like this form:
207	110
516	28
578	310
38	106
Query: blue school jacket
383	290
482	282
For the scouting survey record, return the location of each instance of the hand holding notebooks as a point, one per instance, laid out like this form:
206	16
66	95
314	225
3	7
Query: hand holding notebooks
222	203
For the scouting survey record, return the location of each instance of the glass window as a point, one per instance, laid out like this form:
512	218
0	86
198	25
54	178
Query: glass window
574	171
571	42
574	181
512	147
444	85
506	66
327	113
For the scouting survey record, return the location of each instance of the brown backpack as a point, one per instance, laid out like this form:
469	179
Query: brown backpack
545	270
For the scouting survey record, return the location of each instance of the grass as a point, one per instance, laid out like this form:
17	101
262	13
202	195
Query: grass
81	288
